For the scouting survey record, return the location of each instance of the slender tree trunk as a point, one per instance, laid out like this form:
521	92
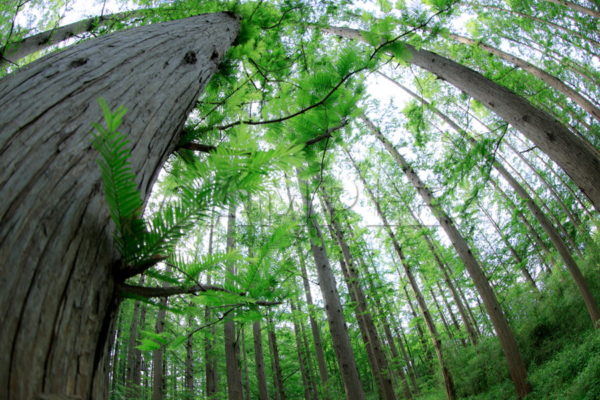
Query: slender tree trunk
303	361
576	7
380	365
437	344
277	375
316	332
209	338
333	307
56	229
450	311
516	366
158	355
542	75
132	378
43	40
576	157
259	360
440	311
520	262
244	360
232	360
471	330
189	361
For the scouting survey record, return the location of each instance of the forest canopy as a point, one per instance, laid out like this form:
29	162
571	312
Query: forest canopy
321	200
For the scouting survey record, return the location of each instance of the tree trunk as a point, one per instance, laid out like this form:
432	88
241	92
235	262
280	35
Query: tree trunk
333	306
316	332
576	7
277	375
471	330
232	360
516	366
435	338
209	338
132	379
56	228
579	159
542	75
158	355
380	364
303	361
43	40
259	360
189	361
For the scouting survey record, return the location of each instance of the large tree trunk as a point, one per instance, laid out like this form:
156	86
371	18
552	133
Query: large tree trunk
58	310
333	306
578	158
508	342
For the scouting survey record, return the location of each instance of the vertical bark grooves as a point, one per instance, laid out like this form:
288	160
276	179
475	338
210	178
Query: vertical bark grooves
333	307
508	343
55	225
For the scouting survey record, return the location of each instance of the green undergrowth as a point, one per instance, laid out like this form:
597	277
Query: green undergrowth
556	339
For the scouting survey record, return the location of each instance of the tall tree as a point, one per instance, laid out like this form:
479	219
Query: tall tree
69	289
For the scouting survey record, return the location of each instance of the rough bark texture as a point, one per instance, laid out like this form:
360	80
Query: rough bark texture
43	40
579	159
58	310
511	351
333	306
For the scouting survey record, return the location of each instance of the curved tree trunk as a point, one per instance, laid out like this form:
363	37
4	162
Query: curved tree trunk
539	73
58	310
576	7
578	158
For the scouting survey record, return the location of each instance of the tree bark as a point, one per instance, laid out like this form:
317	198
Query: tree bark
232	360
579	159
508	343
576	7
277	374
333	306
303	361
189	361
259	360
435	337
132	379
539	73
158	355
56	228
43	40
380	365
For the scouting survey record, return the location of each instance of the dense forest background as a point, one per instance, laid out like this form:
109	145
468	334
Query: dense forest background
344	218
